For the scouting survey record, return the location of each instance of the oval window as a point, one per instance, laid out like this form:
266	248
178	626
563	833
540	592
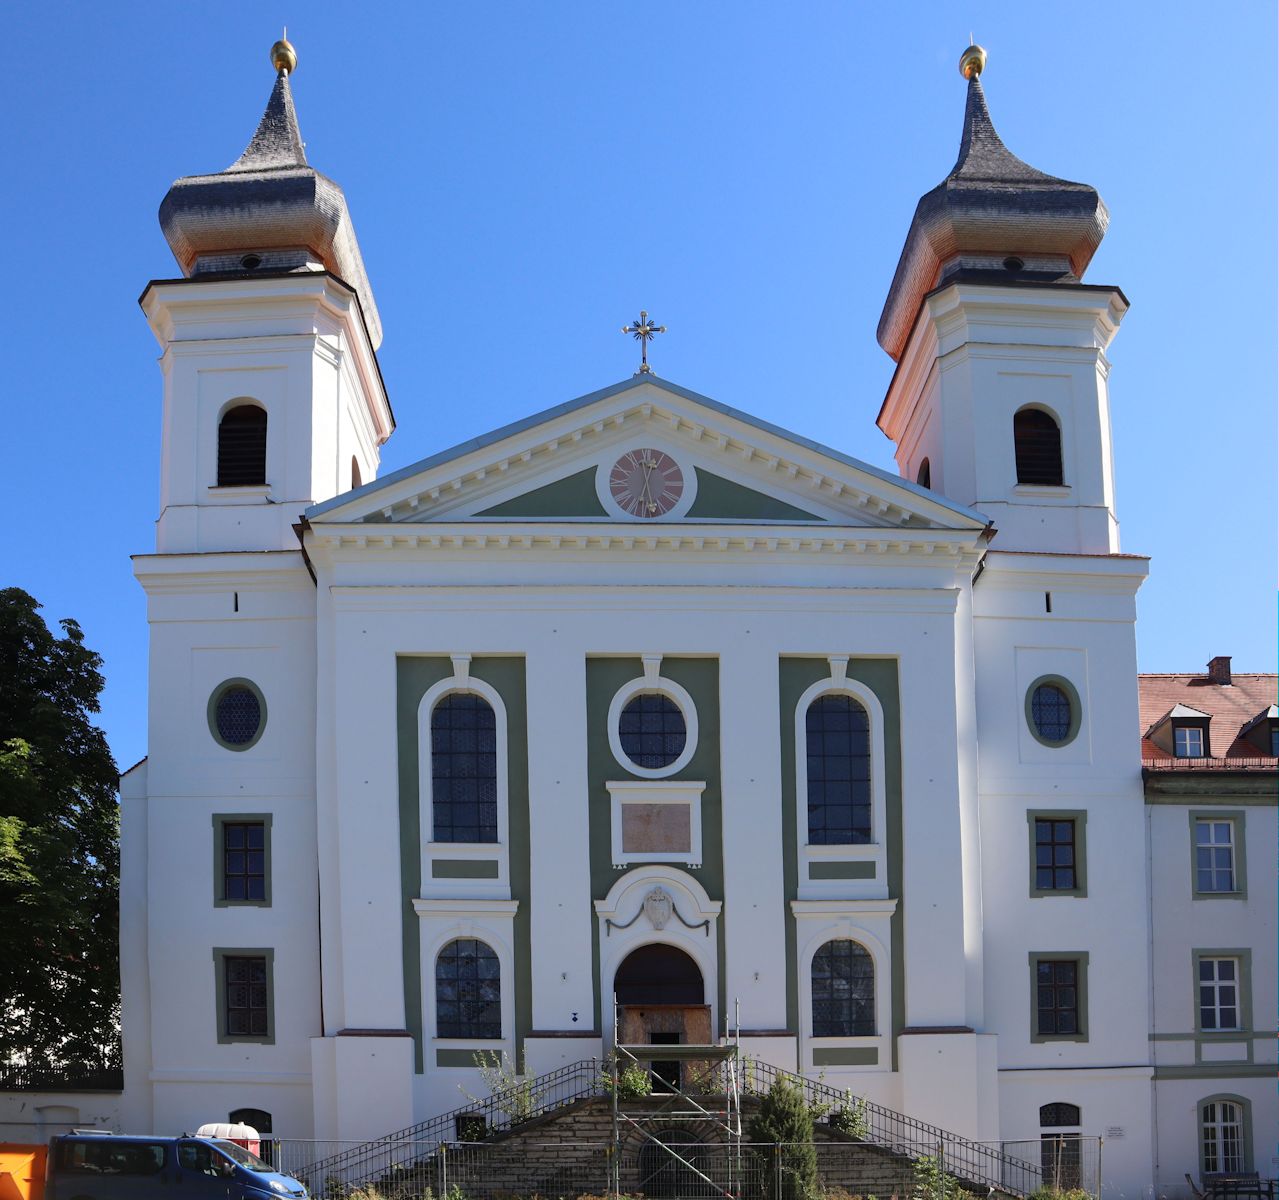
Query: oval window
1054	715
652	731
237	713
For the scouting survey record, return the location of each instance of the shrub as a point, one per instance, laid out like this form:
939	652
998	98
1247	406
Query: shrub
633	1082
789	1169
932	1182
1052	1193
850	1118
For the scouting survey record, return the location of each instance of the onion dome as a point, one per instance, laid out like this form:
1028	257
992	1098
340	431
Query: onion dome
992	214
269	210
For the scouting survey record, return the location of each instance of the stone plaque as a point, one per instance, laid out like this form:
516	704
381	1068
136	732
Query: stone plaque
656	829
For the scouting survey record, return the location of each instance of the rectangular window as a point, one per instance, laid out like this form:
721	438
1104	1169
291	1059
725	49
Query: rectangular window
1214	855
1054	855
1188	741
1058	853
1219	980
241	859
245	994
1274	741
1059	996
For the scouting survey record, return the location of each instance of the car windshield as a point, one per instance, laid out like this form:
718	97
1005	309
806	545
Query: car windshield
242	1156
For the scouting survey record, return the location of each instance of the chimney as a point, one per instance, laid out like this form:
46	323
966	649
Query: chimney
1219	669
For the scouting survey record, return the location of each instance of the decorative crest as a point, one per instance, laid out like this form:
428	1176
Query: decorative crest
642	331
658	908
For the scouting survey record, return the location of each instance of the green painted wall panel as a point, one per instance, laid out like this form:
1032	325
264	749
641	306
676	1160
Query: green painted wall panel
415	676
573	496
845	1056
700	678
720	498
841	870
795	677
464	868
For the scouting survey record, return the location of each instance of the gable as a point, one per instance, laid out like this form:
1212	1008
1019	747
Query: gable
564	465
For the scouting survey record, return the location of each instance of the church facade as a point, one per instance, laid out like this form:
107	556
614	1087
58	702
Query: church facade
643	701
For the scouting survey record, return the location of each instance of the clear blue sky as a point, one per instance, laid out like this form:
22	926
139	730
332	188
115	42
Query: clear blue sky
525	176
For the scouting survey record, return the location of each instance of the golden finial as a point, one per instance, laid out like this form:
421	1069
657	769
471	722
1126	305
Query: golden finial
283	57
972	62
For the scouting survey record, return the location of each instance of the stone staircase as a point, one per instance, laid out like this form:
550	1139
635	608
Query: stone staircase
553	1136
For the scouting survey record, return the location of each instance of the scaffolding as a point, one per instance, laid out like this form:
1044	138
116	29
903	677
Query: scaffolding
710	1102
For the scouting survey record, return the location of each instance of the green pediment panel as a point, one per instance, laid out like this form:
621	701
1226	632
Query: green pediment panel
718	499
572	496
722	499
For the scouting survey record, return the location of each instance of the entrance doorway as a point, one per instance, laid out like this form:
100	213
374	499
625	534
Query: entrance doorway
661	995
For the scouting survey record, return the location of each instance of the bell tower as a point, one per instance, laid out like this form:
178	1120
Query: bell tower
1000	396
272	396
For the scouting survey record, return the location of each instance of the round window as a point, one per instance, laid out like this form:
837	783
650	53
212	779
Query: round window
652	730
1052	707
237	713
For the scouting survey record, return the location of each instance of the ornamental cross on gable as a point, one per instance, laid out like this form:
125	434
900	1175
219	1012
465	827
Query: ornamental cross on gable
642	331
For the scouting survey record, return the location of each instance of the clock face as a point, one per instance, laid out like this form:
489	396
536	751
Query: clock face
646	483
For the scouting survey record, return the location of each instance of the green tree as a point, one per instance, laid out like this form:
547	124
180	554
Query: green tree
782	1132
59	849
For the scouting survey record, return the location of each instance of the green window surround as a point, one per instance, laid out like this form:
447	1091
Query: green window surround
1243	986
1079	820
1080	959
1235	817
220	821
211	713
1245	1122
220	956
1076	710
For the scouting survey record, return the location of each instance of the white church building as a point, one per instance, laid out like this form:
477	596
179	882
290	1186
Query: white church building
647	697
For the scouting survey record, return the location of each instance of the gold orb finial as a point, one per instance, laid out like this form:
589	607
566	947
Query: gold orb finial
972	62
283	57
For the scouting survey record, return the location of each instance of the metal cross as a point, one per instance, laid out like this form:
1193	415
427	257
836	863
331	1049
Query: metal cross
642	331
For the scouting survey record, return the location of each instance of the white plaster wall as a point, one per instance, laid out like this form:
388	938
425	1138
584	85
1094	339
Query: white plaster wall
32	1118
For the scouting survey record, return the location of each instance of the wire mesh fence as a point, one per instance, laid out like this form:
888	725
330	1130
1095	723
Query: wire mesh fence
667	1169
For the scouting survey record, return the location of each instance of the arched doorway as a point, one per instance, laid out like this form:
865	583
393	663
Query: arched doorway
661	997
658	974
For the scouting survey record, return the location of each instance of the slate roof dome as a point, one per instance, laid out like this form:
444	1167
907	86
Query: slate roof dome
270	210
993	213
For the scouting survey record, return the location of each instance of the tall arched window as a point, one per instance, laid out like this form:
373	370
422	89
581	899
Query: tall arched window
1037	444
1224	1147
924	477
355	473
468	991
838	758
843	990
464	769
242	446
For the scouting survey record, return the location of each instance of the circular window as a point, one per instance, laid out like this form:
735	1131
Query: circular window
237	714
652	731
1052	711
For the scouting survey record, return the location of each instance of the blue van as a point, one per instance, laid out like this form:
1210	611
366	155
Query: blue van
107	1166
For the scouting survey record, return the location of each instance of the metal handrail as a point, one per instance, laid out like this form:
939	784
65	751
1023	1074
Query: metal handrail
969	1161
533	1098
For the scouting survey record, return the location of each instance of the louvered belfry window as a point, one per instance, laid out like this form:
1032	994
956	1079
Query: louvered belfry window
1037	442
242	447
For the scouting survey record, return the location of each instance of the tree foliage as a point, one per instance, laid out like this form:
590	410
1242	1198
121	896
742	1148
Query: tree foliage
59	849
784	1124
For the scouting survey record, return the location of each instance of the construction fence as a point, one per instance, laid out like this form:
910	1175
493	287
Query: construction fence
670	1169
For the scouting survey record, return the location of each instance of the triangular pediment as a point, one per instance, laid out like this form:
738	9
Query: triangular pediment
648	453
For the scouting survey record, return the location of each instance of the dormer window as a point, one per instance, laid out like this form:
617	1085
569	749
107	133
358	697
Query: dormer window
1188	741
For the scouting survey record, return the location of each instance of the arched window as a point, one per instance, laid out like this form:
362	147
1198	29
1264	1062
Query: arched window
355	473
468	991
259	1119
1037	444
1059	1116
464	769
843	990
838	758
1224	1147
242	447
924	477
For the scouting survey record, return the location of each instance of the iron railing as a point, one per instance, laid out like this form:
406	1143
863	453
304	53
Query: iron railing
1210	764
976	1164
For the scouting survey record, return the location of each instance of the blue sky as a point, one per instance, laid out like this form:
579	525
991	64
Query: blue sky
525	176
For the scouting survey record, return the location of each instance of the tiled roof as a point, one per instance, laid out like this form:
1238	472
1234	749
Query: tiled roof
1230	706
